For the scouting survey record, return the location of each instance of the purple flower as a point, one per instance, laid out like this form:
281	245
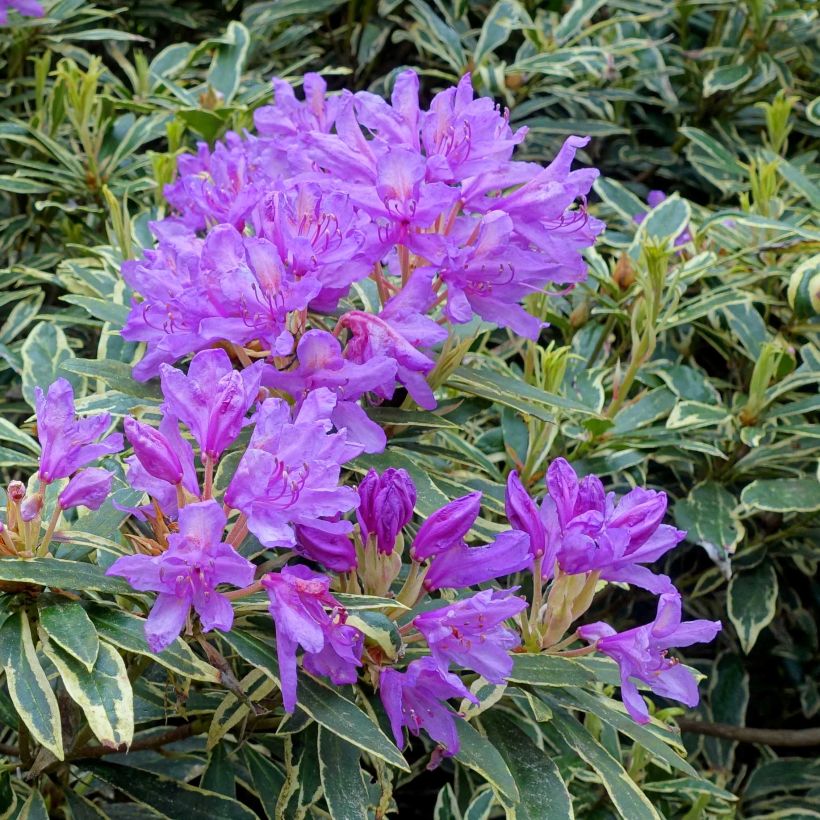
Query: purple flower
26	8
653	199
333	550
320	364
522	513
299	600
67	442
223	185
375	337
289	475
212	399
153	451
157	454
186	575
386	505
446	528
588	530
320	235
417	699
288	120
641	654
463	566
88	488
471	633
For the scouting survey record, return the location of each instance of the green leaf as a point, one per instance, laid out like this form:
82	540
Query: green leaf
782	495
505	17
68	626
627	797
117	375
752	602
168	797
446	807
619	198
379	629
57	572
103	309
655	738
713	161
666	222
728	700
10	432
543	793
128	633
323	703
220	773
397	417
226	69
344	788
692	414
709	515
479	754
725	78
45	355
480	806
268	780
34	808
20	317
103	693
8	799
575	17
548	670
513	392
28	685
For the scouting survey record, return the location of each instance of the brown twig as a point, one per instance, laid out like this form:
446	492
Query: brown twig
171	736
744	734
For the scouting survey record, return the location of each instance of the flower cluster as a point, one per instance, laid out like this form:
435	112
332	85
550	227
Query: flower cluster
68	444
582	535
269	232
254	274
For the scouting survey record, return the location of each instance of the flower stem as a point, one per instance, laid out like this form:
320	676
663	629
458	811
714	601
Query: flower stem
208	489
238	532
52	525
537	592
235	594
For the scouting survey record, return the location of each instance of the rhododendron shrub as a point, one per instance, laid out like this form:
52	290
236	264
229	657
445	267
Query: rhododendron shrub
265	540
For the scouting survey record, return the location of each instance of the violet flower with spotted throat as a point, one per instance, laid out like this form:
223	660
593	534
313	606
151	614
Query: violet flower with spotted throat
289	475
213	399
471	633
299	600
186	575
641	654
417	698
67	442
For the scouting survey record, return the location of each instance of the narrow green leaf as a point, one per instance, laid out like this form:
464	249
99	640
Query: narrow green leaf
228	64
28	685
103	693
57	572
168	797
543	794
34	808
341	774
480	755
626	795
548	670
782	495
45	356
752	602
68	626
323	703
128	633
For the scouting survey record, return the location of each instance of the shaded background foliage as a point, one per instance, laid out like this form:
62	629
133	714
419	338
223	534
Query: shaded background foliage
696	374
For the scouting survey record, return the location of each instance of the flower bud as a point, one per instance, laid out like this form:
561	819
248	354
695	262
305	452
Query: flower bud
30	508
153	451
88	488
446	527
16	491
386	505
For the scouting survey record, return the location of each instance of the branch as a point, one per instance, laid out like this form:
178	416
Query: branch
156	742
744	734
